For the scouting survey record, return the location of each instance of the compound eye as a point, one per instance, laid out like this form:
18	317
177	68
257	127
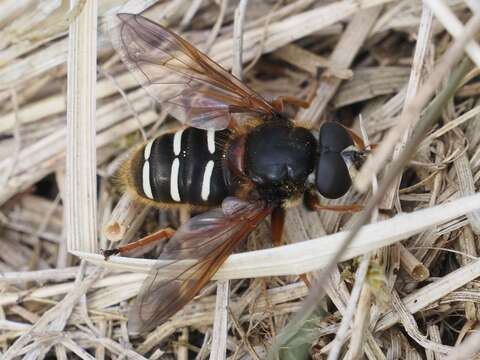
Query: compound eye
332	178
334	137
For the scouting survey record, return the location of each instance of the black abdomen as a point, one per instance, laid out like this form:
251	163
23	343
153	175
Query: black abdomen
183	167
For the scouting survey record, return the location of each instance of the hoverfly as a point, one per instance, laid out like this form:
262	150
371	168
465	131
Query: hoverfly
241	172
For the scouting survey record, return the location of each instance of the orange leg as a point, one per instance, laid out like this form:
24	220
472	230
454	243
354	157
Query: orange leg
149	239
277	222
279	102
339	208
313	203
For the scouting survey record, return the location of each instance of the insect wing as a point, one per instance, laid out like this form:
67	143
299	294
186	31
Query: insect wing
208	238
196	90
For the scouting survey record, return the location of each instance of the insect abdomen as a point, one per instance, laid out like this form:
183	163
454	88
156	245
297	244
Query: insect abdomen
184	167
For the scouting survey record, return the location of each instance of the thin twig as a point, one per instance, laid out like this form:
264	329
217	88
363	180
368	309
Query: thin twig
417	75
216	28
412	111
317	292
341	58
16	137
220	324
350	310
454	27
468	349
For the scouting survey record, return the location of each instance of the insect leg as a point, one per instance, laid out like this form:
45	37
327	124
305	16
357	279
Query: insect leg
313	203
277	222
156	236
279	102
340	208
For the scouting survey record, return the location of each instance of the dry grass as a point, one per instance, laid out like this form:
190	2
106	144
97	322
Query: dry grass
404	287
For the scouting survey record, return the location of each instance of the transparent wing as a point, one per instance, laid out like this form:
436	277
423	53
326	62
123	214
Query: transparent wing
196	90
208	238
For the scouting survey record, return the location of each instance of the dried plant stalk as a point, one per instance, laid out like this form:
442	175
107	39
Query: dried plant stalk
309	255
128	214
360	324
454	26
467	186
428	294
417	75
412	266
341	58
412	112
80	200
240	318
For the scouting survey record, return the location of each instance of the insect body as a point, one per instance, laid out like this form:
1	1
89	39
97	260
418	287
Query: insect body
202	167
182	167
245	172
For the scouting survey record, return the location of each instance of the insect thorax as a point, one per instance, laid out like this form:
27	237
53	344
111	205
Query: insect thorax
278	159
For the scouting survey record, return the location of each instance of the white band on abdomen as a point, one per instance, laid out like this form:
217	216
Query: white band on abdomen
148	149
147	189
174	193
177	142
211	141
207	177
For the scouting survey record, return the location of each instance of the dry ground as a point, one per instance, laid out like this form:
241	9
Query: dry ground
409	290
